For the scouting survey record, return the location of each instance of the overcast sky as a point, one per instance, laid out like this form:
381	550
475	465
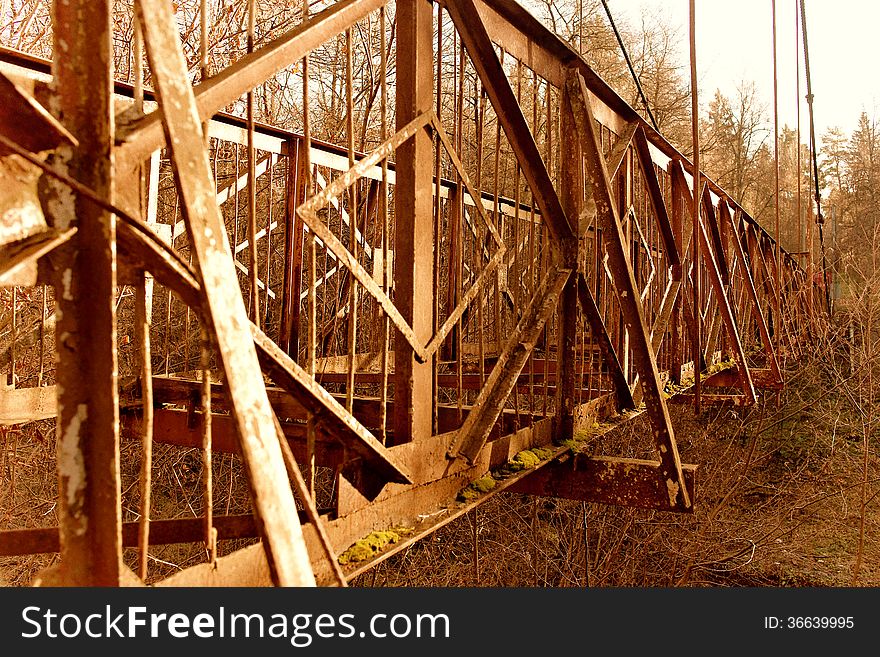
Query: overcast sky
735	42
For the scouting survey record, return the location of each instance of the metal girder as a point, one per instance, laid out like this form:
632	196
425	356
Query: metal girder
715	233
162	532
493	396
222	305
325	409
720	291
656	196
84	275
599	186
414	221
605	480
478	45
622	392
141	251
727	315
749	283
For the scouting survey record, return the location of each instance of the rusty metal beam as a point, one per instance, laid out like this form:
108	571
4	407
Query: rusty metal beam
599	186
476	40
176	427
571	196
720	291
294	238
326	410
287	374
622	392
90	514
222	305
162	532
414	222
727	315
655	194
749	283
605	480
493	396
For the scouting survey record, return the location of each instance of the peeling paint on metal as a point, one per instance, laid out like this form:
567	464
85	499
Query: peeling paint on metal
70	460
672	490
66	280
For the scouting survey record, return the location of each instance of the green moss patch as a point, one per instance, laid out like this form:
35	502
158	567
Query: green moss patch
372	544
476	488
526	460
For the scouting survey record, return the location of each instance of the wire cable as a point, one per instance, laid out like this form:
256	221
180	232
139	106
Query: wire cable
631	69
819	218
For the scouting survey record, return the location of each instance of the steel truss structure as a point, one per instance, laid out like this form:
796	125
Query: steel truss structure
503	264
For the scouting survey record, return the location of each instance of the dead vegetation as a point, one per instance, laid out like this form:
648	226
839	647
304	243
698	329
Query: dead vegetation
780	489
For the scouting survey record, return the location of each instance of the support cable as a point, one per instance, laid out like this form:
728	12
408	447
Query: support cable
820	220
629	64
695	206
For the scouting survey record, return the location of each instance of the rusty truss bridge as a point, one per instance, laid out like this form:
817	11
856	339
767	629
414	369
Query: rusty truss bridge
475	260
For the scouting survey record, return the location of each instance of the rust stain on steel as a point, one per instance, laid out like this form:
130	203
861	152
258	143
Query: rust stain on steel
223	308
479	422
624	282
606	480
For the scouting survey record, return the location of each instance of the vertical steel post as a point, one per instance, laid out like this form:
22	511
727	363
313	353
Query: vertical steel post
90	515
571	195
293	249
676	338
414	239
